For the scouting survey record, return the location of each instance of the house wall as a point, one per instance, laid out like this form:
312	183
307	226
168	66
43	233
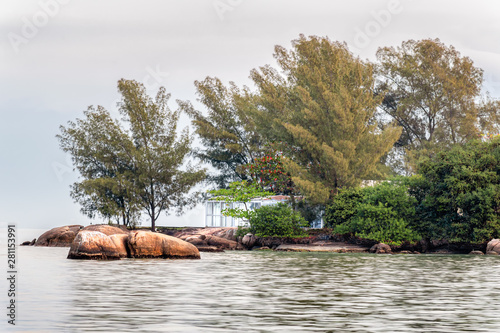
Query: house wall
214	217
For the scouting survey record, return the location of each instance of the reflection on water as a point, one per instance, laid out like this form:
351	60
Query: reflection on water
260	292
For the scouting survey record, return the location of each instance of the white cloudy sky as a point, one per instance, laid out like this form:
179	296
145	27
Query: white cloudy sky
57	57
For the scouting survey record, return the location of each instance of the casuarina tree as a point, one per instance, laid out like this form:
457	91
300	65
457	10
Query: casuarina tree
137	164
321	103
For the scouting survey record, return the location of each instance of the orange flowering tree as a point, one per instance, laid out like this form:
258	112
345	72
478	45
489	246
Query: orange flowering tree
268	171
488	136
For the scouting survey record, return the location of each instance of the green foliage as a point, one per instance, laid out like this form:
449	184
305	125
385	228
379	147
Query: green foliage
137	168
432	92
242	231
343	206
459	193
322	103
103	163
456	196
227	133
277	221
239	192
392	194
109	197
382	227
384	213
267	221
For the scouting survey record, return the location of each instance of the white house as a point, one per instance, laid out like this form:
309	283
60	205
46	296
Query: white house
214	217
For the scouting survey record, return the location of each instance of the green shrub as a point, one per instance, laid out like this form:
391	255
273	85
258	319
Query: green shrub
379	223
277	221
383	213
459	194
343	207
392	194
455	196
242	231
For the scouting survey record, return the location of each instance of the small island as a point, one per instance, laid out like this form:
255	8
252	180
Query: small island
386	156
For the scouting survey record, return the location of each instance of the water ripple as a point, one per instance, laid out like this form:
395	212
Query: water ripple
260	292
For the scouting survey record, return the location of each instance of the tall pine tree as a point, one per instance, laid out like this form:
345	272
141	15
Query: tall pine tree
321	107
227	133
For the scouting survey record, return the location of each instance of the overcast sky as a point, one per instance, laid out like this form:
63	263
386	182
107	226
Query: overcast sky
57	57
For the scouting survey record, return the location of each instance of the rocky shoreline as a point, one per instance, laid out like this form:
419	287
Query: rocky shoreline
321	240
111	242
105	242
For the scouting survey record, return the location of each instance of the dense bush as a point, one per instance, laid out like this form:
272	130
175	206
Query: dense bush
344	207
392	194
384	213
277	221
455	196
459	193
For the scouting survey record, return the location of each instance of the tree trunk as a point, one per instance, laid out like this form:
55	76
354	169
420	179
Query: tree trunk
152	205
153	227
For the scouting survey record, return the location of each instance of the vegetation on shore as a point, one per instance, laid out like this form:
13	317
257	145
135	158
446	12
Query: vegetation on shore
315	126
454	196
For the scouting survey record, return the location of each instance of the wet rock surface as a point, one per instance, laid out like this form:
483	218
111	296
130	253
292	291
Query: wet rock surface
224	244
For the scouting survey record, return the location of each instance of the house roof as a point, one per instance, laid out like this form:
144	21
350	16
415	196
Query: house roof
273	197
280	198
277	197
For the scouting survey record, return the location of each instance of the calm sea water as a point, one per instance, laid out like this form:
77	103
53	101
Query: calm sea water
258	292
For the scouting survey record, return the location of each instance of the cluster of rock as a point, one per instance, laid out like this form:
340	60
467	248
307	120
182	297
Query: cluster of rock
226	233
492	248
209	239
90	244
109	242
106	242
210	243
